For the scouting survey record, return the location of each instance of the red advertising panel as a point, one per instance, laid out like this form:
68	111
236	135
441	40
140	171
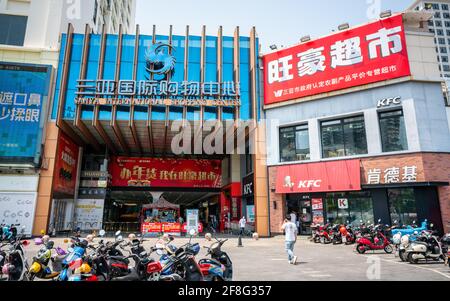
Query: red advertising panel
162	172
366	54
334	176
66	165
167	228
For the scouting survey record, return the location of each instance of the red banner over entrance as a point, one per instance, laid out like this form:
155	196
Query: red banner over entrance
333	176
358	56
164	172
66	166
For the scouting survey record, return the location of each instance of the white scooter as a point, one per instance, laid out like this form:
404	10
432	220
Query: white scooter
425	248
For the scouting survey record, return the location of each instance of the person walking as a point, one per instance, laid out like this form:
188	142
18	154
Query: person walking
290	231
242	223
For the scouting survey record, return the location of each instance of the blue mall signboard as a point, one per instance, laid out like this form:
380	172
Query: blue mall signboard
24	90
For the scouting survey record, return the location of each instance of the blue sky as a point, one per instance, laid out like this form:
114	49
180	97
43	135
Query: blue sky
281	22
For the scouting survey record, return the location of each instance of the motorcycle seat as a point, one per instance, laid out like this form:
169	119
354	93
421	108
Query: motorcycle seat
133	276
420	243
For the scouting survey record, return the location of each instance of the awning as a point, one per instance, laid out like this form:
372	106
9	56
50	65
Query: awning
335	176
161	204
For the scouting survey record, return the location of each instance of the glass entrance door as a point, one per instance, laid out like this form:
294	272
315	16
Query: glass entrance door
305	217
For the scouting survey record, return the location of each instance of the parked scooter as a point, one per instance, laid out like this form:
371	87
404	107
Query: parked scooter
445	241
426	248
405	241
219	267
15	265
40	267
180	263
348	236
376	239
325	237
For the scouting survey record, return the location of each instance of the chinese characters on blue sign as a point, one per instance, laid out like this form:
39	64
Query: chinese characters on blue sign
153	90
23	99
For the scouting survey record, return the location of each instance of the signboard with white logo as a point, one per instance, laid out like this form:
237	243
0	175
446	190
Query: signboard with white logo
89	214
392	175
387	102
24	90
247	186
343	203
18	208
343	175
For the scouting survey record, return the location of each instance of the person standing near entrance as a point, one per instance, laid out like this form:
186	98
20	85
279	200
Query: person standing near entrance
290	230
242	223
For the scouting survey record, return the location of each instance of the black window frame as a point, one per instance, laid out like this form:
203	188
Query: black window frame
343	122
384	115
304	127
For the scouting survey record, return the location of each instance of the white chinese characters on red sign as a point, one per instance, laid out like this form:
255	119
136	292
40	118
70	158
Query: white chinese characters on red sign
359	56
392	175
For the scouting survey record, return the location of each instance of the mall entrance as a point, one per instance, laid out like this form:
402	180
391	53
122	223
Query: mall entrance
127	209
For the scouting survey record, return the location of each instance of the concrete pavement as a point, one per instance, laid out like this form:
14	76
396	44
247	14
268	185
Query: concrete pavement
265	260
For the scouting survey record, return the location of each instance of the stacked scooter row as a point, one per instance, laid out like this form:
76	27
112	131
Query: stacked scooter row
411	243
414	244
118	260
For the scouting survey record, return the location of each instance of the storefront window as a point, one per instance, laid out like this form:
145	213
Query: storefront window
393	131
294	144
344	208
344	137
402	205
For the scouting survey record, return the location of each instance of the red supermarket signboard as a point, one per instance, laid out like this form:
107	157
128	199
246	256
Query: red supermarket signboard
358	56
166	172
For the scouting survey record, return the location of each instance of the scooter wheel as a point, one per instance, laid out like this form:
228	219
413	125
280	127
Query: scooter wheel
411	259
388	249
361	249
402	256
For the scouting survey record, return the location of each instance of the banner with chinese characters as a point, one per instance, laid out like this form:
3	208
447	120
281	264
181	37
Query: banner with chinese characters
24	91
66	165
362	55
394	170
169	228
166	172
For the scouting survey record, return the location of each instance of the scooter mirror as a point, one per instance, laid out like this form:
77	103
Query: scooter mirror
192	232
118	233
431	226
379	220
102	233
119	238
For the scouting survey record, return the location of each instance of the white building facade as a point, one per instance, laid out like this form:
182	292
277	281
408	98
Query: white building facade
38	23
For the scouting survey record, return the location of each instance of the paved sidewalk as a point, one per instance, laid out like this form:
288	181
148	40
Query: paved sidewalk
265	260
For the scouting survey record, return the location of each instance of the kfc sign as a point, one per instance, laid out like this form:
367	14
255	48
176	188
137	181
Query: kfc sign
359	56
344	175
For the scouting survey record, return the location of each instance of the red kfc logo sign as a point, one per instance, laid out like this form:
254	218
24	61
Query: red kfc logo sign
359	56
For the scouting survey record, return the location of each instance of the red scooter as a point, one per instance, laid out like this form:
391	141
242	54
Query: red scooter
325	237
376	241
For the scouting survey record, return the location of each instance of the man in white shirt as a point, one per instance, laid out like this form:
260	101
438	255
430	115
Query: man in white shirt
290	230
242	223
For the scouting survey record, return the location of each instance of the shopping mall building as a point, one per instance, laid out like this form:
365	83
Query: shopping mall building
135	115
358	127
